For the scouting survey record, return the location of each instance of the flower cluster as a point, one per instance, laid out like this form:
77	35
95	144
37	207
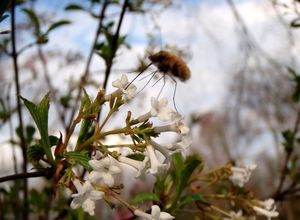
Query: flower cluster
240	175
266	208
106	165
149	157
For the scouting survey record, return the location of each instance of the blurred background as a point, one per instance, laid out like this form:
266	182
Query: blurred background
239	101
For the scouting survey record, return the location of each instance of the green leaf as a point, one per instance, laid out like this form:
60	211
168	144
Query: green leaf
80	158
87	123
30	130
35	152
178	164
136	156
295	23
3	17
53	140
3	8
190	164
142	197
74	7
296	79
288	137
57	25
39	114
188	199
34	19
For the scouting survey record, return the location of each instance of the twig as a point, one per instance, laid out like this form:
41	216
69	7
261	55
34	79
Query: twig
287	159
114	48
19	107
86	71
50	85
44	173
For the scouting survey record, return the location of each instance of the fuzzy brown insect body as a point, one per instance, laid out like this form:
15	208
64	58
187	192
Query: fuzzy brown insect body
171	64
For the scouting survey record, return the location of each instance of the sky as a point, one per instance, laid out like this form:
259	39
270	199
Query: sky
206	29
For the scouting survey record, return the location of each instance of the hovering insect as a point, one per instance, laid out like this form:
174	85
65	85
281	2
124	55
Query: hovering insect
167	64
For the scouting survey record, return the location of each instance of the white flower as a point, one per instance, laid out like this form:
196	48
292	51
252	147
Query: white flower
235	215
159	109
267	208
162	149
156	214
184	143
103	170
85	197
178	126
240	175
140	166
122	85
156	166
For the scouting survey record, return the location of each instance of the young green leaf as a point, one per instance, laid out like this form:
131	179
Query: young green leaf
35	153
142	197
39	114
188	199
80	158
74	7
34	19
57	25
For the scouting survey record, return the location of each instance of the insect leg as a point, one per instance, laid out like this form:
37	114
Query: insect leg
164	77
153	74
138	75
174	94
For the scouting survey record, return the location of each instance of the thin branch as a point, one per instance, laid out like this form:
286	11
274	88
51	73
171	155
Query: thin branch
287	159
50	85
44	173
19	107
114	44
114	48
86	71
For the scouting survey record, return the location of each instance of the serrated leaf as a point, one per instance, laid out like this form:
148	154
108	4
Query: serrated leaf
87	123
74	7
57	25
39	113
178	164
190	164
80	158
188	199
142	197
34	19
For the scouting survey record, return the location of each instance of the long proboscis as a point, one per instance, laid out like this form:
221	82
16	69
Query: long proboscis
138	75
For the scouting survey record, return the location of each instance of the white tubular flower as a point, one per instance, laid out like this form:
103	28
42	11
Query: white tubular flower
178	126
159	109
140	166
240	176
162	149
103	170
267	208
156	214
235	215
85	197
121	84
184	143
156	166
